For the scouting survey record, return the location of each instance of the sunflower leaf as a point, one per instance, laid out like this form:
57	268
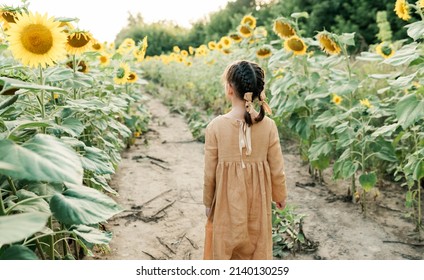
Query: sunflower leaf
10	83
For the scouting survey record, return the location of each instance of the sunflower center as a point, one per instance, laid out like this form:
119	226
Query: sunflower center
386	50
37	38
103	59
295	44
131	77
78	41
120	73
245	30
97	46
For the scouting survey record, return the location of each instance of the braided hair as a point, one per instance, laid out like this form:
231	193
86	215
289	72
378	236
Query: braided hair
245	76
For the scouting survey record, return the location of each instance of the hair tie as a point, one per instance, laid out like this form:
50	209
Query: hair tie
248	98
264	104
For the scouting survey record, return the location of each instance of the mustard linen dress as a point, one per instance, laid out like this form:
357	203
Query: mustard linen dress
244	171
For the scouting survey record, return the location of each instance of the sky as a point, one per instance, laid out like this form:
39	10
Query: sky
105	18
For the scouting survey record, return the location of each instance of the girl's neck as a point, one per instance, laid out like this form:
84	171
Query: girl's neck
237	110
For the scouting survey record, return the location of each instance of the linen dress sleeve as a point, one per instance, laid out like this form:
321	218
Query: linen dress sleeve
211	161
276	164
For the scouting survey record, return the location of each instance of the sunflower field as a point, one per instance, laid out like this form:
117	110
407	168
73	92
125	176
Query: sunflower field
362	115
68	105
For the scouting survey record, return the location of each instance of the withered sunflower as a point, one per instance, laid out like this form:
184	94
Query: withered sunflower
328	43
283	28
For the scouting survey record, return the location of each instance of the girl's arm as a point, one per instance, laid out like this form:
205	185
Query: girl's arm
211	160
276	164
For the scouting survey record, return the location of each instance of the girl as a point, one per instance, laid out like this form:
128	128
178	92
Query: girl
244	171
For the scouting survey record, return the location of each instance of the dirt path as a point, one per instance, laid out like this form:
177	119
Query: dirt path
160	185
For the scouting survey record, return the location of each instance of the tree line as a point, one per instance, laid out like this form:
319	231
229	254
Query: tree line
336	16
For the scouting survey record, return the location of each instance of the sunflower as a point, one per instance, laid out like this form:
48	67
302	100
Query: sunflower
421	4
82	66
245	31
128	43
365	102
283	28
226	42
296	45
226	51
264	52
176	49
235	37
328	43
191	50
337	99
36	40
132	77
385	50
184	53
249	20
78	42
121	74
402	9
96	46
212	45
104	59
8	16
188	63
219	46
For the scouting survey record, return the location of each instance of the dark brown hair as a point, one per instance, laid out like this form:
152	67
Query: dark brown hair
245	76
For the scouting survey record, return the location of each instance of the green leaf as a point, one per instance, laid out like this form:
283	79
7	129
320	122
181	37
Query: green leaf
30	202
18	252
58	74
9	83
386	130
300	15
368	181
97	160
320	147
415	30
83	205
42	158
344	88
15	228
92	235
409	110
405	55
72	126
347	38
418	171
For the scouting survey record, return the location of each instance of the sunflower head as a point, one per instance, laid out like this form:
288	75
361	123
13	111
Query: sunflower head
296	45
283	28
365	102
421	4
260	32
184	53
385	50
36	40
328	43
176	49
104	59
226	42
96	46
245	31
226	51
249	20
264	52
78	42
235	37
212	45
402	10
121	74
190	50
8	16
132	77
337	99
82	66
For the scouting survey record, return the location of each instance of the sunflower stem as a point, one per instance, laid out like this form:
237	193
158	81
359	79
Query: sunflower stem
74	67
2	209
42	105
12	185
51	239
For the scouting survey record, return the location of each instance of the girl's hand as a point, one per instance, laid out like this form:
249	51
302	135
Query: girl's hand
207	211
281	204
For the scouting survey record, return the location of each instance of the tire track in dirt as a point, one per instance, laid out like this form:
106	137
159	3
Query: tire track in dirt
160	184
